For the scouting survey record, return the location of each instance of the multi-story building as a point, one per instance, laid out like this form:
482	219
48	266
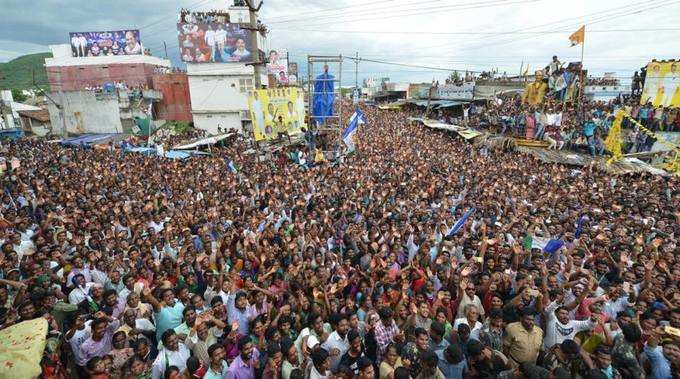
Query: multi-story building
219	90
175	104
100	94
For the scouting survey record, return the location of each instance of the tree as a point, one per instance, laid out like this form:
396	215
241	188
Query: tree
454	77
18	95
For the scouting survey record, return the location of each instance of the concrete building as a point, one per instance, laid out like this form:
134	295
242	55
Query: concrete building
100	94
219	91
219	95
68	73
175	104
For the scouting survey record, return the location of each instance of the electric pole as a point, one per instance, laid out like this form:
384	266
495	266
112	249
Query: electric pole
356	71
252	10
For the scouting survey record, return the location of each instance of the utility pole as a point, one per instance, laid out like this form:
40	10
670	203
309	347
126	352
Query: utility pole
252	10
63	113
356	71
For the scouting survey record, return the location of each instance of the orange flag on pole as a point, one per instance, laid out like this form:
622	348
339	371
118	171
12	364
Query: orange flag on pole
578	36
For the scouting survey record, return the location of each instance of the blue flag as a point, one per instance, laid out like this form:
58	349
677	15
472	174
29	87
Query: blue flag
460	223
579	227
357	119
552	246
232	167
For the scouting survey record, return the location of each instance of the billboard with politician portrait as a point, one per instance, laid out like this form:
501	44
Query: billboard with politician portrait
214	42
95	44
276	111
662	84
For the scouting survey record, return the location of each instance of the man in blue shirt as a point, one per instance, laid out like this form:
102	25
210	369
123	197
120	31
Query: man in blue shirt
167	312
451	362
661	365
589	131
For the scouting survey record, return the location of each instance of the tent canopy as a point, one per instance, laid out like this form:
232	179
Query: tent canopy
90	139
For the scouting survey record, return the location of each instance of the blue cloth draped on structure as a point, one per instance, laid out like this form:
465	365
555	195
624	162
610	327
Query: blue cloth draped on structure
322	107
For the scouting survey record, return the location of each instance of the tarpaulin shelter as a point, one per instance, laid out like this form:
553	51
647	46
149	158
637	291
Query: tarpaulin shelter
209	141
88	140
467	133
11	134
171	154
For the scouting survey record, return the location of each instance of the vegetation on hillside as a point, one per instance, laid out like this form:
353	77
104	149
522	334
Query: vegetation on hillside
18	73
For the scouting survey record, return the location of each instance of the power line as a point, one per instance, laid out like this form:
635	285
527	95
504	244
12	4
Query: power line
287	17
475	33
161	19
385	14
589	19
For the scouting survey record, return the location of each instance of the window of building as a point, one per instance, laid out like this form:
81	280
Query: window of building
245	85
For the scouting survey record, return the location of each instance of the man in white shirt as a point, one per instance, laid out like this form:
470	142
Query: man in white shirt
80	331
258	113
561	327
132	46
173	353
241	54
211	40
81	291
82	45
221	39
471	320
337	344
75	44
467	290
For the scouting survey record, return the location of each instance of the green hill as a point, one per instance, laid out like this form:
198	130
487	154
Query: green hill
18	73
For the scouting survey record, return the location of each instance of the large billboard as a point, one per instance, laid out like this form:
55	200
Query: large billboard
662	84
275	111
277	67
116	42
214	42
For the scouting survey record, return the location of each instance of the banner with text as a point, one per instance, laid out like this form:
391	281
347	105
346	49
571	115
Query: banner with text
464	91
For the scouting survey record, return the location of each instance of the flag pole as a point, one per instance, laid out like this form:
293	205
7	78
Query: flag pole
582	88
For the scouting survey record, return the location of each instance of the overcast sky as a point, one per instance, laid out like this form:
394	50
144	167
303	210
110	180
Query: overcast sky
621	35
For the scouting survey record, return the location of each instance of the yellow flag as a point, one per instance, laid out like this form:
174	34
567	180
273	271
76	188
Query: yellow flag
578	36
615	139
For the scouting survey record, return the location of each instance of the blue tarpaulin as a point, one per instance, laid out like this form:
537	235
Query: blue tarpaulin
87	140
11	134
171	154
323	97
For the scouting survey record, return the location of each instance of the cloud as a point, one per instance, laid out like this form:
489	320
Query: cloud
306	27
12	49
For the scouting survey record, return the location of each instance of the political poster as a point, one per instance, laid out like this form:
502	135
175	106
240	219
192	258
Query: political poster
95	44
214	42
662	84
276	111
293	73
277	67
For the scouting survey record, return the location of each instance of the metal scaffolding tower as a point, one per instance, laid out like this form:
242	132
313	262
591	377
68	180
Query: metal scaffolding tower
336	60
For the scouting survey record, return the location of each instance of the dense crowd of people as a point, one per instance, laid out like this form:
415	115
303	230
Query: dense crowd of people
564	125
419	256
187	16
